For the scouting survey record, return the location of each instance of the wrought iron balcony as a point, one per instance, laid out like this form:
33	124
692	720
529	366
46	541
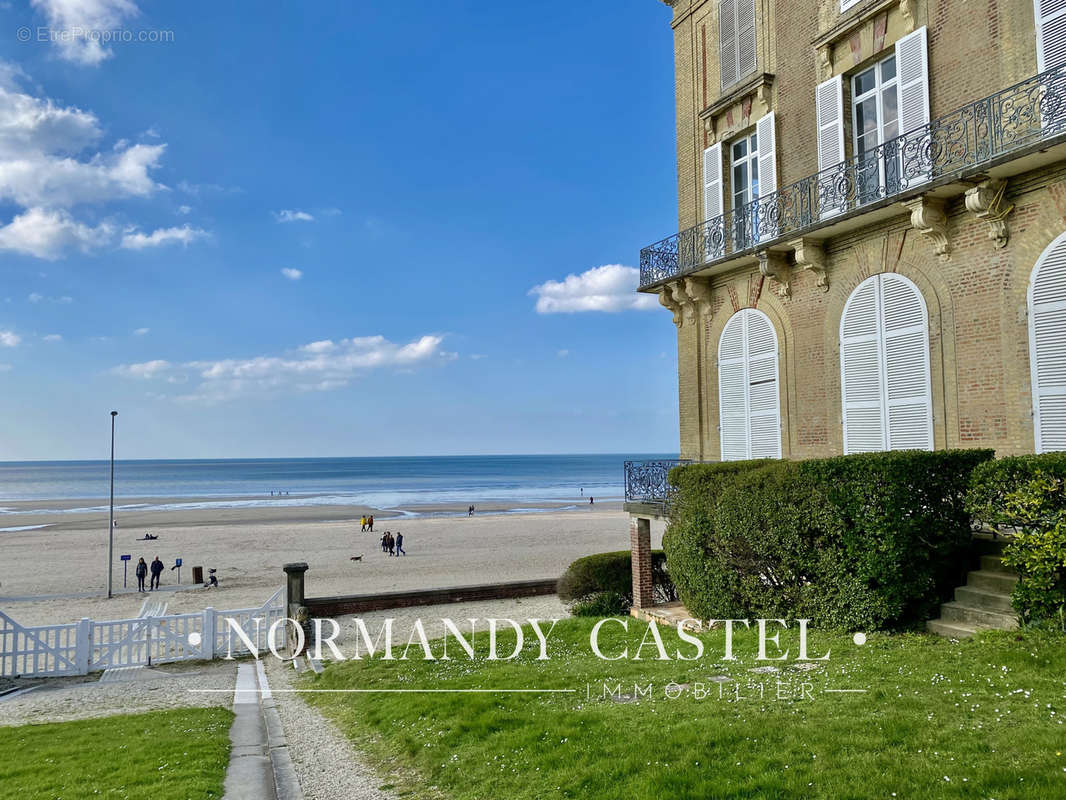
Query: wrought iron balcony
648	481
1026	117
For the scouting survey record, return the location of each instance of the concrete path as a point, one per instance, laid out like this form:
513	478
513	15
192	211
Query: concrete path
260	767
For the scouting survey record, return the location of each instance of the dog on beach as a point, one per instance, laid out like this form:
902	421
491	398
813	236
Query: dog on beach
357	558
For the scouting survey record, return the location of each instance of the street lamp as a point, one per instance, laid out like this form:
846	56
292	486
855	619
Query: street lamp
111	516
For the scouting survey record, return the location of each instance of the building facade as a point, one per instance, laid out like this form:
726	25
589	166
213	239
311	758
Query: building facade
871	244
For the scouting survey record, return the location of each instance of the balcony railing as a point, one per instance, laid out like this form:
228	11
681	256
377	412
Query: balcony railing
1025	116
648	481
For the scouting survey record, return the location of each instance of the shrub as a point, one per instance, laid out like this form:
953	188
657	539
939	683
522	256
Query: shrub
601	604
604	577
1033	513
864	541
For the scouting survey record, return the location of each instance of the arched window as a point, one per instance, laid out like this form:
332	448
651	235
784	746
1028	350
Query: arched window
747	388
884	365
1047	346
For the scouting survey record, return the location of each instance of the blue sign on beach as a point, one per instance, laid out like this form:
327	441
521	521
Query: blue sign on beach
124	558
177	562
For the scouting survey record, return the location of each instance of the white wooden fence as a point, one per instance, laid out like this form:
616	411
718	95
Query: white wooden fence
78	648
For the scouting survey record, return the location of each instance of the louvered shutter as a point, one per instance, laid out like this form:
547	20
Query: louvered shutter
860	366
745	37
884	359
732	391
713	244
912	67
767	137
1050	33
764	410
829	111
727	41
908	406
1047	347
749	402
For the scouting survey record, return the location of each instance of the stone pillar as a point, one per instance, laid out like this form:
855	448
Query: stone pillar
640	545
294	591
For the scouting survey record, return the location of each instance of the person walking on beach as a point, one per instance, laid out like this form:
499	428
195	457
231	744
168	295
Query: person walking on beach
157	570
362	521
592	500
370	523
384	543
470	511
391	542
399	544
142	572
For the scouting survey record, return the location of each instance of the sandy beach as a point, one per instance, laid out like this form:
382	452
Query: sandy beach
248	547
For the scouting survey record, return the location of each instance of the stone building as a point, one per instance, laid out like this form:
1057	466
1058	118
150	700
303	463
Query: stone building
871	245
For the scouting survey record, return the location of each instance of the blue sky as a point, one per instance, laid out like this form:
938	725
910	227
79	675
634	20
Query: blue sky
334	228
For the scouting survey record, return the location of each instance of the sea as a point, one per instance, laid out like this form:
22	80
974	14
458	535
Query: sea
513	481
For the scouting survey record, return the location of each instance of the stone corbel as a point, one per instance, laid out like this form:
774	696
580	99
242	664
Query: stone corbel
666	300
774	266
810	255
681	298
825	61
909	11
985	201
764	99
699	295
929	219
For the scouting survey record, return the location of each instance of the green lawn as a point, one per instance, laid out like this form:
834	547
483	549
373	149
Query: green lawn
977	719
162	755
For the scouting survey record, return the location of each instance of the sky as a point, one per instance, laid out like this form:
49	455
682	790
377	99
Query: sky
334	228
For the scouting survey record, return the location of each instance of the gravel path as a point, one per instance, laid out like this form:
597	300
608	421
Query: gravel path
168	687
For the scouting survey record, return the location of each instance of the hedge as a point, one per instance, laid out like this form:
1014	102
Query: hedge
868	541
1024	498
602	584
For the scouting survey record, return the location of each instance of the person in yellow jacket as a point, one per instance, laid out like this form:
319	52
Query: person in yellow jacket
362	522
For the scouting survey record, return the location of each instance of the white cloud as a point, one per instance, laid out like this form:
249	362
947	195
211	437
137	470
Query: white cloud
184	235
9	339
477	356
292	274
563	353
141	331
37	297
48	234
52	337
612	287
183	210
292	215
74	21
318	366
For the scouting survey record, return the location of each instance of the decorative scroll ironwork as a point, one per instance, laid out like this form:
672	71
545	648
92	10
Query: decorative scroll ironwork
648	481
1029	113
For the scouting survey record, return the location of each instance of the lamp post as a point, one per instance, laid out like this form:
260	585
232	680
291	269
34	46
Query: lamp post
111	515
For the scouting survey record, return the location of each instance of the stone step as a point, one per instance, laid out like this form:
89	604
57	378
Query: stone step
995	564
988	601
977	617
954	630
985	581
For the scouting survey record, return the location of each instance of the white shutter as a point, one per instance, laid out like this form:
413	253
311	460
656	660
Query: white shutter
732	391
748	396
745	38
727	41
829	111
764	130
912	67
1050	34
712	182
884	362
908	406
764	409
846	4
1047	347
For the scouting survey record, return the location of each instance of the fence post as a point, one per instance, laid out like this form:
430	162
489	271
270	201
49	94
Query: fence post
83	645
640	547
207	632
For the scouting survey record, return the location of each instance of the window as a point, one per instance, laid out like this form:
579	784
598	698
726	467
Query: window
875	120
748	401
736	39
744	181
889	99
1047	346
884	365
